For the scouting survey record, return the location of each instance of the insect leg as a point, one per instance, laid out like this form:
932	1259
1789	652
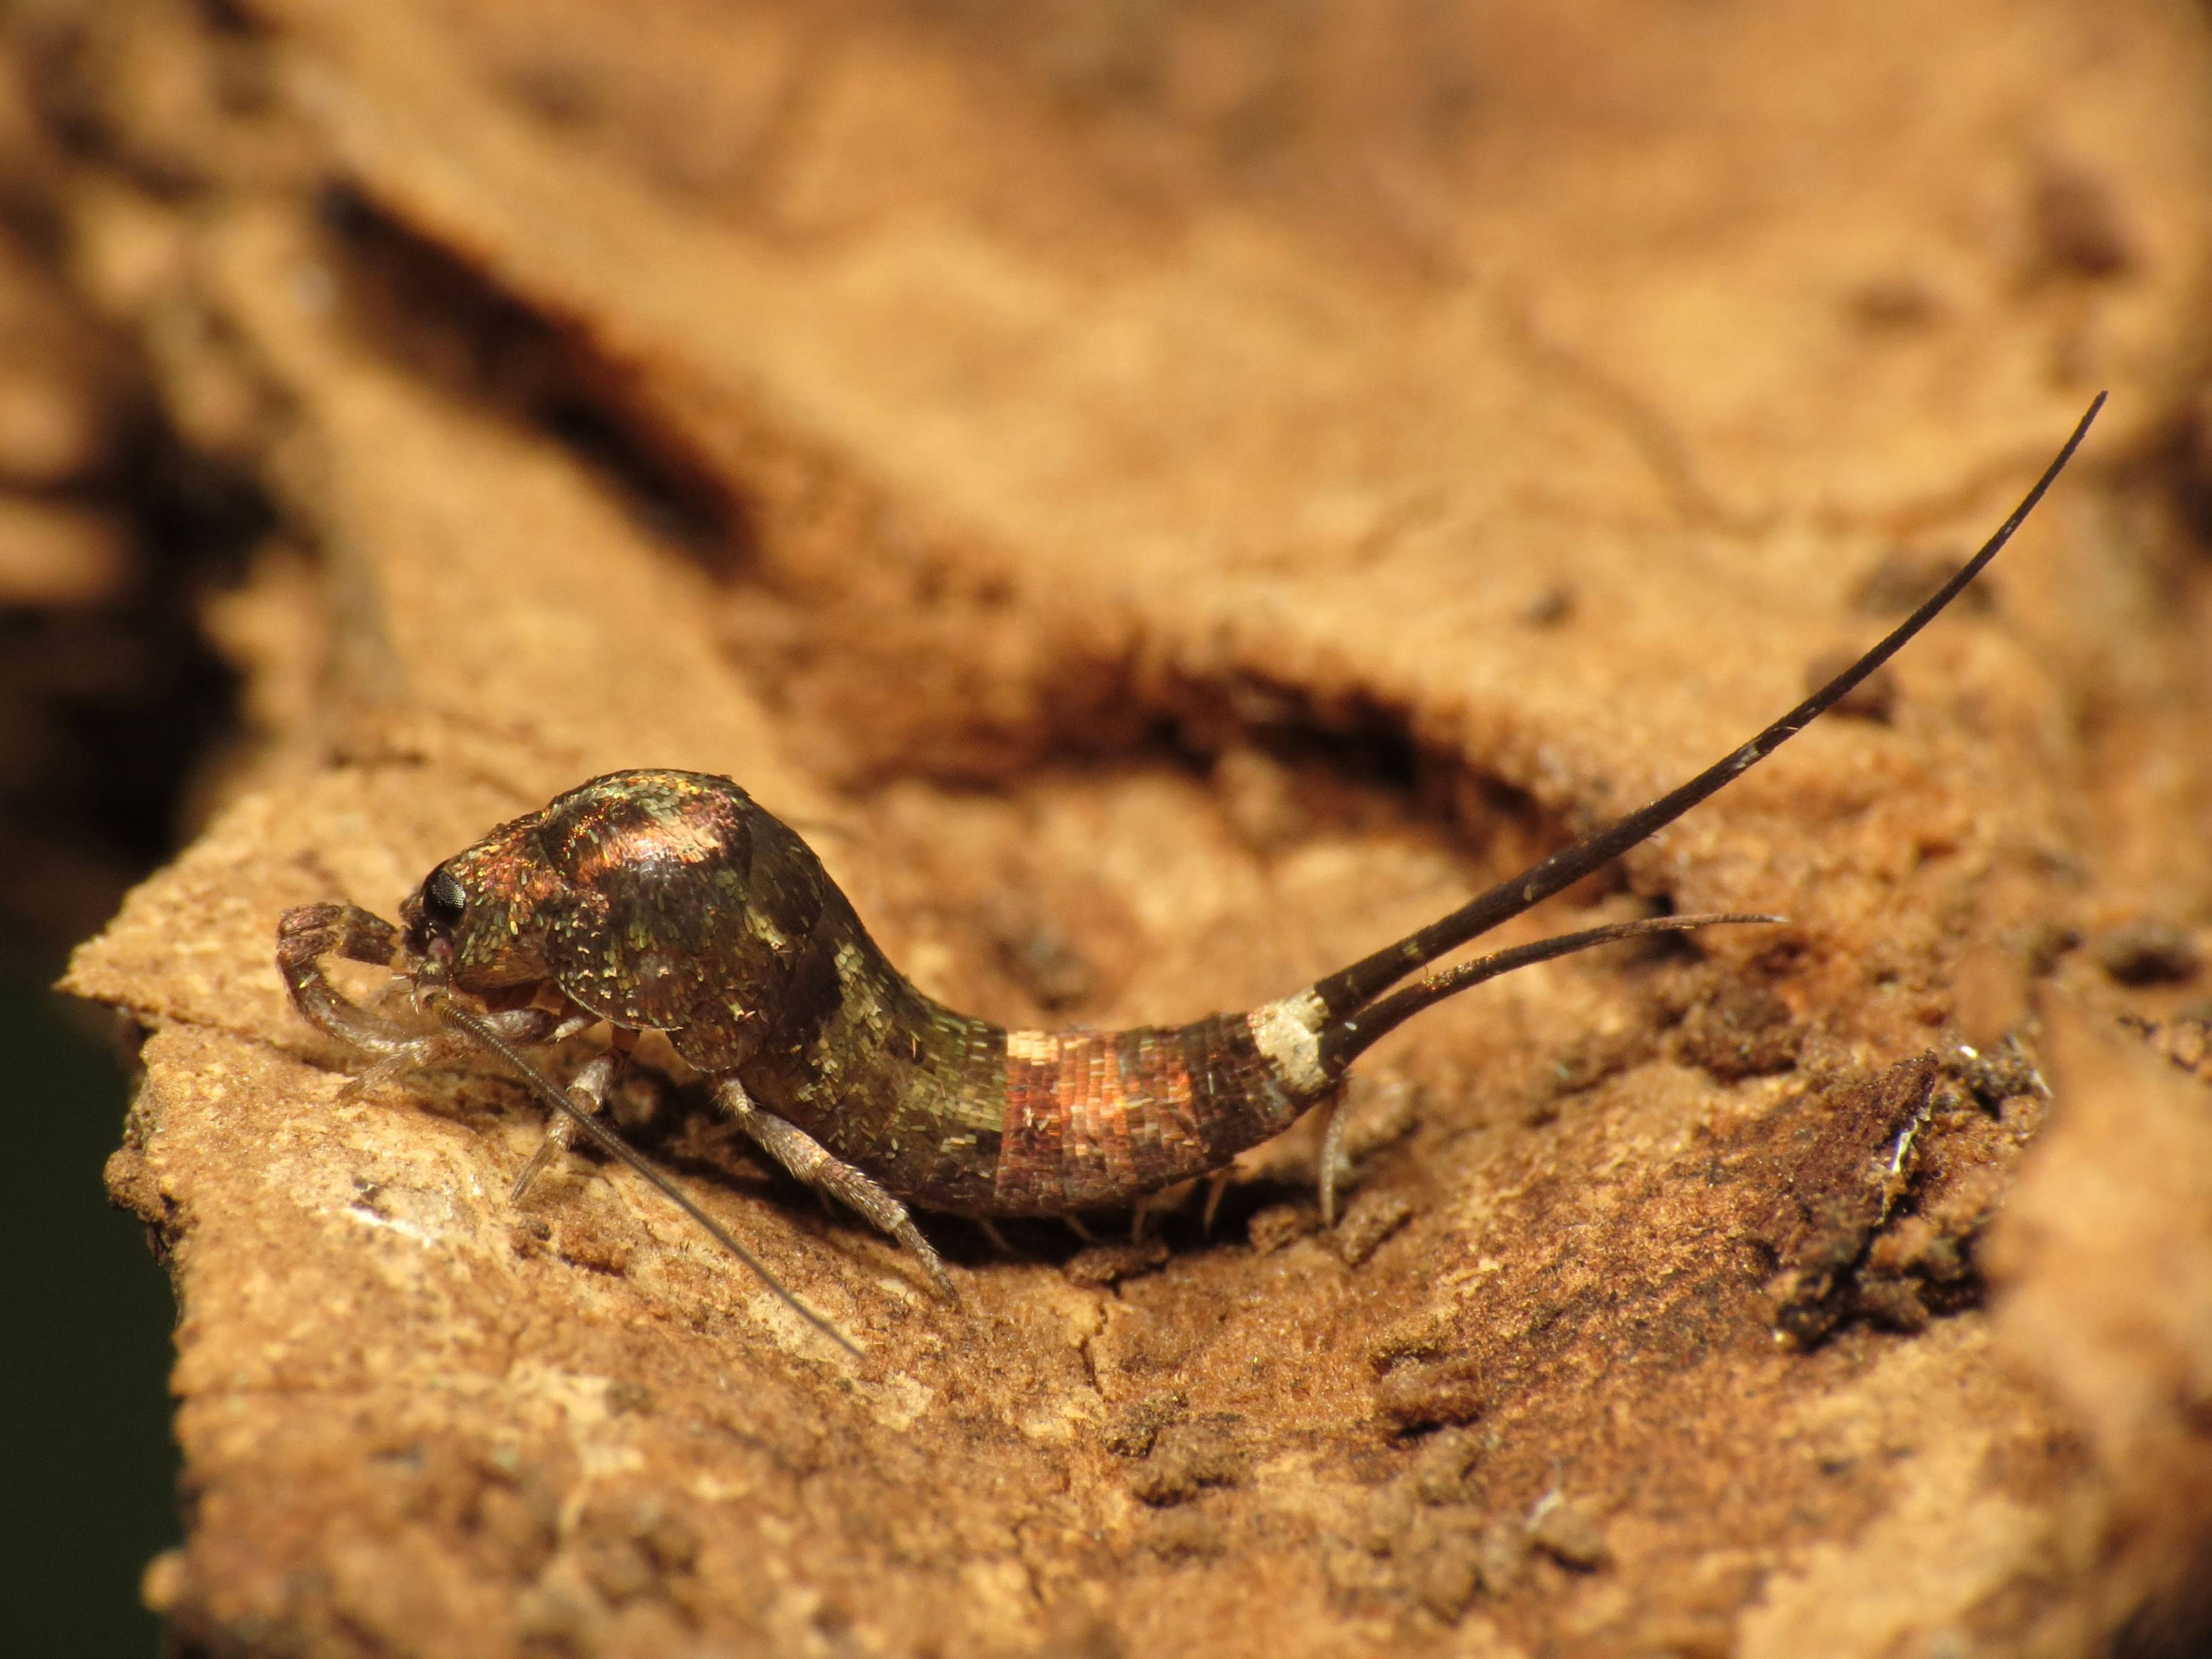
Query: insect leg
440	1002
308	933
428	1050
1332	1157
589	1089
1216	1185
802	1155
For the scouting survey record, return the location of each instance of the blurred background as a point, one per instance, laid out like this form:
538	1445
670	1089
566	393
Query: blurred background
113	538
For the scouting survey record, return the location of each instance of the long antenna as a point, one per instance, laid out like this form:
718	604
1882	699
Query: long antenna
1352	989
440	1002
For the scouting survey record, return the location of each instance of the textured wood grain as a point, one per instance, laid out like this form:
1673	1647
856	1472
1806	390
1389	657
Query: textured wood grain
1167	500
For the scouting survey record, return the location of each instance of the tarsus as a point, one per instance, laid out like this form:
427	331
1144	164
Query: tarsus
480	1031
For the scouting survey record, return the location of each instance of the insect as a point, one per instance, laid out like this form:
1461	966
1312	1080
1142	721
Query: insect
670	901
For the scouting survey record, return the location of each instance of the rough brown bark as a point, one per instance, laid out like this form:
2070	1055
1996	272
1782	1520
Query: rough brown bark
1169	498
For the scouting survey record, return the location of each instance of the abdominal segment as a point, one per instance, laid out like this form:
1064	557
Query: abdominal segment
1094	1119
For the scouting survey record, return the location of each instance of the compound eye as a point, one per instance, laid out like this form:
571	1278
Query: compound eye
445	901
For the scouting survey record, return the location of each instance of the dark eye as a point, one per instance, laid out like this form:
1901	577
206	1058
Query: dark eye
444	899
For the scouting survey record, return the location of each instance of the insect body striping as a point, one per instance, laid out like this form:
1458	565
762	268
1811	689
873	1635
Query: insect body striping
670	902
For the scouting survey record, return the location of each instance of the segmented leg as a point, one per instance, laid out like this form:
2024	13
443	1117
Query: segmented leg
1216	1185
428	1051
1332	1158
1140	1213
799	1153
589	1089
307	935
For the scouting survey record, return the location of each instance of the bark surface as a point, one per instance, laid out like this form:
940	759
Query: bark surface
1167	500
